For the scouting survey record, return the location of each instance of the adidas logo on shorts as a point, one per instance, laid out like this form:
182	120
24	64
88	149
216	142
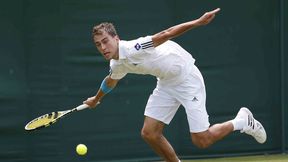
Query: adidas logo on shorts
194	99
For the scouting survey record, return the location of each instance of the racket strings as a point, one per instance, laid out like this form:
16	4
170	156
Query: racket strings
45	120
55	115
50	115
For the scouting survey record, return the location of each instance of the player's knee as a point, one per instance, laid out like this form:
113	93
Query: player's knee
149	135
201	141
201	144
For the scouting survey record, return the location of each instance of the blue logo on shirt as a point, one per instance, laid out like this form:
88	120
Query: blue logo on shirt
137	46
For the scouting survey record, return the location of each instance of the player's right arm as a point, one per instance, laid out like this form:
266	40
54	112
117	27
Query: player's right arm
106	86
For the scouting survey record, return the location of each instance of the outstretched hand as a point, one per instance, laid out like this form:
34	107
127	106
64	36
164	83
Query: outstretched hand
91	102
207	17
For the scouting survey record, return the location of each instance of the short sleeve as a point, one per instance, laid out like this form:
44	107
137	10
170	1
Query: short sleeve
141	45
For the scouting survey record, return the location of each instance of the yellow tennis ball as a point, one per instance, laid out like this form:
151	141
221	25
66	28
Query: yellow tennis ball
81	149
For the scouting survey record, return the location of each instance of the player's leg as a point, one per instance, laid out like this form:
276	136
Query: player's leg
160	110
244	121
192	95
152	133
202	135
214	133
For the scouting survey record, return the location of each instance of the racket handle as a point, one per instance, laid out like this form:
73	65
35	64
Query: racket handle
82	107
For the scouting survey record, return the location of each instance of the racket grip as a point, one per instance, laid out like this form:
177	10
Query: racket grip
82	107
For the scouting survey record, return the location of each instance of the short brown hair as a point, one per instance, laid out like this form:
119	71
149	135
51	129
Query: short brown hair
107	27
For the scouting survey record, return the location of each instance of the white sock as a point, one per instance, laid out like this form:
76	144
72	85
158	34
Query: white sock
238	124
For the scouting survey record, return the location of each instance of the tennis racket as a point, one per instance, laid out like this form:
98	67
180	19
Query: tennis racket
48	119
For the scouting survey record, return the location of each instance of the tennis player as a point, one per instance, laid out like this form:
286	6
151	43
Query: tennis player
179	83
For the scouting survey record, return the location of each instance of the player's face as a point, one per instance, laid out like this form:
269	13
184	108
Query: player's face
107	45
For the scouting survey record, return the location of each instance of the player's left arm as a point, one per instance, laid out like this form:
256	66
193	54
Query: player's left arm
177	30
106	86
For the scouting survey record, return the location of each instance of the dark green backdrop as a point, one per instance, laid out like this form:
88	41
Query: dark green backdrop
48	62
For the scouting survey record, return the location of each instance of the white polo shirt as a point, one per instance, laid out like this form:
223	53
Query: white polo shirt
169	62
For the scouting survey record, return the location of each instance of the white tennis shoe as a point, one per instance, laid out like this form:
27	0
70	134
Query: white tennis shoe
252	126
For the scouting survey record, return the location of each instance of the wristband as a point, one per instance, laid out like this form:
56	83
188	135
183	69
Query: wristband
104	88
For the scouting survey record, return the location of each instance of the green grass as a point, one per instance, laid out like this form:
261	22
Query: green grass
262	158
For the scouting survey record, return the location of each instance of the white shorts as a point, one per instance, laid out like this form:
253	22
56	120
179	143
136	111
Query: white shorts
166	99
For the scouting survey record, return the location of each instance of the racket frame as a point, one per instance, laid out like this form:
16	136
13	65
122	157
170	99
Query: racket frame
62	114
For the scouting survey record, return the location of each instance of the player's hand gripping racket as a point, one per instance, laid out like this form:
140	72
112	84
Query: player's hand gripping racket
48	119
